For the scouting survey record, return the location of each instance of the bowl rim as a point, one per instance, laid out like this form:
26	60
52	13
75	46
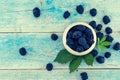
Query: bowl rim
71	50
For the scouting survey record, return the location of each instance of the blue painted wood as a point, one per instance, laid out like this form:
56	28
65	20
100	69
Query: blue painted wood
41	50
58	75
16	16
18	28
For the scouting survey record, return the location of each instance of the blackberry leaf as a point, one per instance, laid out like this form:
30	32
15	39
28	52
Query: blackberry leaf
103	39
106	43
89	59
98	41
64	56
102	47
74	64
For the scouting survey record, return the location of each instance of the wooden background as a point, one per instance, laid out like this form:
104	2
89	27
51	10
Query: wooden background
19	28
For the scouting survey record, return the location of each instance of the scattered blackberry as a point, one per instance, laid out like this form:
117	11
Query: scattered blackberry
93	12
80	9
94	53
49	66
106	19
99	27
84	75
93	24
107	54
109	38
66	14
100	59
36	12
54	37
116	46
22	51
108	30
99	35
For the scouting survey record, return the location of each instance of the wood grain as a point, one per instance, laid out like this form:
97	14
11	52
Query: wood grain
17	16
19	28
41	50
58	75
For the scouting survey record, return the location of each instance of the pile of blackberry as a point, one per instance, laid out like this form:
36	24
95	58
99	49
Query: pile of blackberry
79	38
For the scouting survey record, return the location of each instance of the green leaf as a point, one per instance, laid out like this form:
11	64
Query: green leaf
74	64
103	39
98	41
89	59
64	56
102	47
106	43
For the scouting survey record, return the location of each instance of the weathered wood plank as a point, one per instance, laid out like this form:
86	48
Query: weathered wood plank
16	15
41	50
58	75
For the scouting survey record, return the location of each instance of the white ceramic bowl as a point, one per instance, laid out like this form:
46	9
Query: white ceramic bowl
73	51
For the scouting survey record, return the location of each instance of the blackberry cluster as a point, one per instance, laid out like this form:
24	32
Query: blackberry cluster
79	38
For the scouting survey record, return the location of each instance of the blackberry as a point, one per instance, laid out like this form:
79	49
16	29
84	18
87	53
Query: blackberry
94	53
22	51
36	12
66	14
116	46
100	59
49	66
108	30
80	9
99	35
54	37
84	75
107	54
106	19
93	24
99	27
109	38
93	12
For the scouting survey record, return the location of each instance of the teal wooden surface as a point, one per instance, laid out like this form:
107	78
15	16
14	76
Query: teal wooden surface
18	28
16	15
41	50
58	75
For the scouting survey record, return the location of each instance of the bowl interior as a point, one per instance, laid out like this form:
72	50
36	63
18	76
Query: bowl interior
73	51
